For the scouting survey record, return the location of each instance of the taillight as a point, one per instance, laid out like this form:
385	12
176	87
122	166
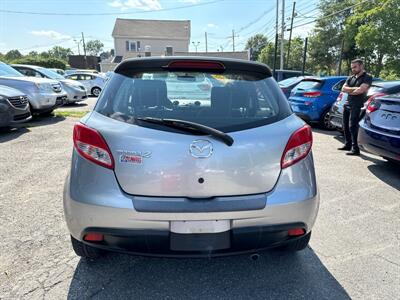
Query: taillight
312	94
298	147
373	105
90	144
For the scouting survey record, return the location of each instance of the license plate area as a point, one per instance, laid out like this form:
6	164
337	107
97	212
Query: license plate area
200	227
200	242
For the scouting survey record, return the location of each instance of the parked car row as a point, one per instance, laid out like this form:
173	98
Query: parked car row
27	90
320	100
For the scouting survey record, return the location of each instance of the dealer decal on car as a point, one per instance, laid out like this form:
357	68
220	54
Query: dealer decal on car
133	157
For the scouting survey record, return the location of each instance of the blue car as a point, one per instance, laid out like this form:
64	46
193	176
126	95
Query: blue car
380	129
313	97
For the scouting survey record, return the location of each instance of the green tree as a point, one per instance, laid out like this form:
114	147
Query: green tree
256	43
60	52
33	53
296	54
326	39
378	31
12	54
94	47
41	61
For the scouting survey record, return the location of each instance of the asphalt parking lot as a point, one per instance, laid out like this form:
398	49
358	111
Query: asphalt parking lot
354	250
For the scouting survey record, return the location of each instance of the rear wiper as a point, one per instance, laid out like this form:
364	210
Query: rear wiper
190	127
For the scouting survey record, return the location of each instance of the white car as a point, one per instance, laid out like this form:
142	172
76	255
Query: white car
93	83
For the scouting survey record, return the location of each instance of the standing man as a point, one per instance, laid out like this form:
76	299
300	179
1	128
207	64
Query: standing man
357	87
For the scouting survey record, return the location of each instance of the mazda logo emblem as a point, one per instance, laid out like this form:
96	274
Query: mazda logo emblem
201	149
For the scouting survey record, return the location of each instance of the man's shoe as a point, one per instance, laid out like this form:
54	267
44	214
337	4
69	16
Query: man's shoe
344	148
353	153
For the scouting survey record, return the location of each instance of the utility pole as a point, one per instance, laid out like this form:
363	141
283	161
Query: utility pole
290	35
282	32
84	49
206	41
233	40
276	38
339	71
304	56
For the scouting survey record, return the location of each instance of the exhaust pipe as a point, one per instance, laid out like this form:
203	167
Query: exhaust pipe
254	256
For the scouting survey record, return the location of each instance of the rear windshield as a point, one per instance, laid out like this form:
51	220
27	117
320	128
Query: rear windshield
288	82
228	101
309	85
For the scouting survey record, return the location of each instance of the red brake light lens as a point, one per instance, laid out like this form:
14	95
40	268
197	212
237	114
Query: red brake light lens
93	237
298	147
372	104
312	94
196	65
90	144
296	232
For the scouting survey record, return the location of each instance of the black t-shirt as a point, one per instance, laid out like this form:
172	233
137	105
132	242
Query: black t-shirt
353	81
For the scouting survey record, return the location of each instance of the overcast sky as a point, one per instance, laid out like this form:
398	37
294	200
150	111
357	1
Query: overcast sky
27	32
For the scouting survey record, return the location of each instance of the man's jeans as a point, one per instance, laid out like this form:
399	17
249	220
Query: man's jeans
351	118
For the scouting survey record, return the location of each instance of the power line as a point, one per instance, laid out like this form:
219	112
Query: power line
108	14
331	15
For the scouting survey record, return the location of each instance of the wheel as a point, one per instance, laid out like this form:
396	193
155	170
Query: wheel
325	122
96	91
298	244
84	250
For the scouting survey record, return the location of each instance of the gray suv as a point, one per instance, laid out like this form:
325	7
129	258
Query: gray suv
44	94
14	107
156	171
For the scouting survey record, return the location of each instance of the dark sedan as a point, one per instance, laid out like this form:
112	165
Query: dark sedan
14	106
380	129
377	89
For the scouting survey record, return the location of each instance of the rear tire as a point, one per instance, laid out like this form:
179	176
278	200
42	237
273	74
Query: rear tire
84	250
325	123
298	244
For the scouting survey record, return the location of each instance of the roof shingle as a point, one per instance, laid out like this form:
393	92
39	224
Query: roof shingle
166	29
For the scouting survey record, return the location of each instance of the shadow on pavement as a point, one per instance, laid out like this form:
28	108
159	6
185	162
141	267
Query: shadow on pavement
387	172
42	121
274	275
9	134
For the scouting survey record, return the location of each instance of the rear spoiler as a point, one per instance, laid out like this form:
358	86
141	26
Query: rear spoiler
207	64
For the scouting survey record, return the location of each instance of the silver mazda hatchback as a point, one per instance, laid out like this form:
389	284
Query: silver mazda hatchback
190	156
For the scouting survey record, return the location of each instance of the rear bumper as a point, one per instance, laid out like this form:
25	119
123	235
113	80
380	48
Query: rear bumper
306	112
87	205
379	143
169	244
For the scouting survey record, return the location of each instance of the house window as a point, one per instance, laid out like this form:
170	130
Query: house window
132	46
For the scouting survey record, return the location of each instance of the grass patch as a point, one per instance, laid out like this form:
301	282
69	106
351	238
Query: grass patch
67	113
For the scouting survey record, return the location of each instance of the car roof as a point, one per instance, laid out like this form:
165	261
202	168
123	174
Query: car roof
159	62
386	84
27	66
